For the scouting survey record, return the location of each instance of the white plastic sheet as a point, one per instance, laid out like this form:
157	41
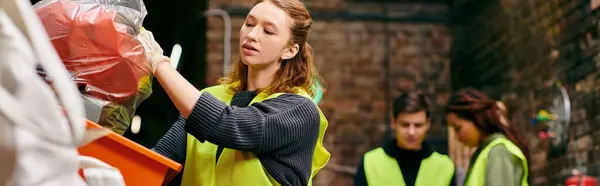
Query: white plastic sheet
46	145
38	140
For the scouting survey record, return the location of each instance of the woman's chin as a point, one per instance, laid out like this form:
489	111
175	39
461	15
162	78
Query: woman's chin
253	62
249	60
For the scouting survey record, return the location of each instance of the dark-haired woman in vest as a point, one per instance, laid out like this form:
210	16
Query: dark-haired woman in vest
501	157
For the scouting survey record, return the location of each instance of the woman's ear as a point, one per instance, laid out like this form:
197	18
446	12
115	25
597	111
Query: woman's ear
290	52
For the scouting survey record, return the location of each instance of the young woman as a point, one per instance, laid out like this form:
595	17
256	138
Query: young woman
260	126
501	155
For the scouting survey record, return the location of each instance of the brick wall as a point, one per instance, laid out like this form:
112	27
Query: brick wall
351	56
516	51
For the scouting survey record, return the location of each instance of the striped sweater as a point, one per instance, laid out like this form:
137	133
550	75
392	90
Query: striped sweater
282	132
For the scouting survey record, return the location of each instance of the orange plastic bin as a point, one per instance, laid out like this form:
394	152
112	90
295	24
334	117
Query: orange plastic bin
139	165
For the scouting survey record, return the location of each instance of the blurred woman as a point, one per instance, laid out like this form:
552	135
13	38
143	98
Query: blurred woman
260	126
501	155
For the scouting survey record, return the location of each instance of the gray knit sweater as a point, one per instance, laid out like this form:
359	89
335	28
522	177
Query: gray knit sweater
282	132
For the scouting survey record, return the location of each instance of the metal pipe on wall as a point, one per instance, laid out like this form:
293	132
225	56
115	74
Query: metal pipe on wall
426	17
387	94
227	37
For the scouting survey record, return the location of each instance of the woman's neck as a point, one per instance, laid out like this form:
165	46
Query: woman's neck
259	78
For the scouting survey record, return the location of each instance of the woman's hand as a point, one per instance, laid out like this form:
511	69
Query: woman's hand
182	93
152	50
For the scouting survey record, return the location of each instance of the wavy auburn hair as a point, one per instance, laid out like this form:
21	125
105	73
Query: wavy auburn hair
297	72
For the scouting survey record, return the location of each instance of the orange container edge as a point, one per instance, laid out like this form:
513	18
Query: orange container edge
173	167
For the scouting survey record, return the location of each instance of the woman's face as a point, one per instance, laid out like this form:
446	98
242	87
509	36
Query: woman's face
465	130
265	36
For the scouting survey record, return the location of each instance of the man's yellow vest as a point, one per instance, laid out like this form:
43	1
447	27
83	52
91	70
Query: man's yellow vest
237	167
477	173
382	169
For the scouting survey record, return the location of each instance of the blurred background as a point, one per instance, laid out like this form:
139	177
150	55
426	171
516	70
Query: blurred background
530	54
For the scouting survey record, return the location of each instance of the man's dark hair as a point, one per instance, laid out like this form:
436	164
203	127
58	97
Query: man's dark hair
411	102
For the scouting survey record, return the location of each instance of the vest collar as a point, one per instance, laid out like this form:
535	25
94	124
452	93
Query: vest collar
490	138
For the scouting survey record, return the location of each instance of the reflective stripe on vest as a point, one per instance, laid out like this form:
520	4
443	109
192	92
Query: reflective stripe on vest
477	173
381	169
237	167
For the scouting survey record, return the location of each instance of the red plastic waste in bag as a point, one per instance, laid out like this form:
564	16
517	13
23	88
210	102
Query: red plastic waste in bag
96	41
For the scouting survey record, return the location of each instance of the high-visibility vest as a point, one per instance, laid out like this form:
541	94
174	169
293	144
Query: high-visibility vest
477	170
237	167
382	169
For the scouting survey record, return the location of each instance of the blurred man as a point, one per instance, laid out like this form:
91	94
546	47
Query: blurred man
406	160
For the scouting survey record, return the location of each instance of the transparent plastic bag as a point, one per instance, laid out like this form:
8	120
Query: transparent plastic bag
96	41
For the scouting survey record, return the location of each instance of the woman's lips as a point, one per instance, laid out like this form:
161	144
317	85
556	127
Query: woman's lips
249	50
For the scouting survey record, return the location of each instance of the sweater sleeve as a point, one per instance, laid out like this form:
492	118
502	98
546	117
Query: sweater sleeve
173	144
260	127
503	168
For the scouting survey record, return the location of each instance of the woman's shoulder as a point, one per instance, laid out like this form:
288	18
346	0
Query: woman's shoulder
292	98
500	151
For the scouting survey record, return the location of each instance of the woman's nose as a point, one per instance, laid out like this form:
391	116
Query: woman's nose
252	35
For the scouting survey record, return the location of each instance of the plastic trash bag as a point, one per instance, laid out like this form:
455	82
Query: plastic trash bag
96	41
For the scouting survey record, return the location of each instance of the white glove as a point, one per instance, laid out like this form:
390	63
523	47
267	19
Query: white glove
98	173
152	50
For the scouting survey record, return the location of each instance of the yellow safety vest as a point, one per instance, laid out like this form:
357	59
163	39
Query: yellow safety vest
477	170
382	169
237	167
